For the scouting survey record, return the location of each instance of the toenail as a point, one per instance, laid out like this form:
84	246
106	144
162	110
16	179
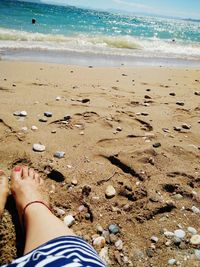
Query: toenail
17	169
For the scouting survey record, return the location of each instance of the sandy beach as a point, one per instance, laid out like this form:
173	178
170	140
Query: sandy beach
135	129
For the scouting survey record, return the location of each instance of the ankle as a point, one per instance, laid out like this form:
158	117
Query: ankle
34	207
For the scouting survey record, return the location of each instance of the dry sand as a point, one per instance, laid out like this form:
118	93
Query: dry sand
129	111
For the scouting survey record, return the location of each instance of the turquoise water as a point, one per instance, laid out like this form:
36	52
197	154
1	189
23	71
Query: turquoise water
88	31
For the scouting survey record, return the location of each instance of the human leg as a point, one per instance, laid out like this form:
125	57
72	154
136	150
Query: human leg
40	224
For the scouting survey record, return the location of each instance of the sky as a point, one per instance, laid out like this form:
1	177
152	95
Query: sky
176	8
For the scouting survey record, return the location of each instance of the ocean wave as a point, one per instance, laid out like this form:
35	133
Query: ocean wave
98	44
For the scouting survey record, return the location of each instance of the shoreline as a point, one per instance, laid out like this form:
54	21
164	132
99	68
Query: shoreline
96	60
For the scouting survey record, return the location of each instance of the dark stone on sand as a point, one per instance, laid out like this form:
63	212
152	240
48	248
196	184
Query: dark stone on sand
156	145
123	74
43	120
48	114
197	93
113	229
180	103
149	252
176	241
148	90
85	100
90	67
177	128
56	176
144	114
87	216
67	117
147	97
86	190
172	94
186	126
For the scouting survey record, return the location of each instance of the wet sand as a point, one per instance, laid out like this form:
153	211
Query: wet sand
136	128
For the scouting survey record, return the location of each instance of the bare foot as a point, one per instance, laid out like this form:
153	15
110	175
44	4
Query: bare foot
3	191
27	186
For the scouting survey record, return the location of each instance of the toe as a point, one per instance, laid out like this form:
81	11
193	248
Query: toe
4	181
36	177
25	172
16	173
31	173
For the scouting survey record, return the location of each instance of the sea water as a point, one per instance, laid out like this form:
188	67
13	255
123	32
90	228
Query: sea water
65	31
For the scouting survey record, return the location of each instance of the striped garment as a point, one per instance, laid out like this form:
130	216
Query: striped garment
67	251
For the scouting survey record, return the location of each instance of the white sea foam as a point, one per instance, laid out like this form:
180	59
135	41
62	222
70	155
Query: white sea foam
102	44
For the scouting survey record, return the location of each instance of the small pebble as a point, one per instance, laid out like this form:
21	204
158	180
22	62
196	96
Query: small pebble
171	261
24	129
99	242
154	239
113	228
177	196
195	240
81	208
168	234
48	114
144	114
69	220
23	113
110	191
53	131
106	234
59	154
58	98
195	209
43	119
86	190
156	145
177	128
172	94
67	117
150	252
119	244
85	100
34	128
179	233
113	238
176	241
87	216
186	126
38	147
192	230
197	93
20	113
16	113
180	103
74	181
99	229
59	211
197	253
119	129
105	256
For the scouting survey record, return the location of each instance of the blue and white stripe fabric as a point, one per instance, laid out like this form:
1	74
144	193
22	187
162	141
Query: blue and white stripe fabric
65	251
